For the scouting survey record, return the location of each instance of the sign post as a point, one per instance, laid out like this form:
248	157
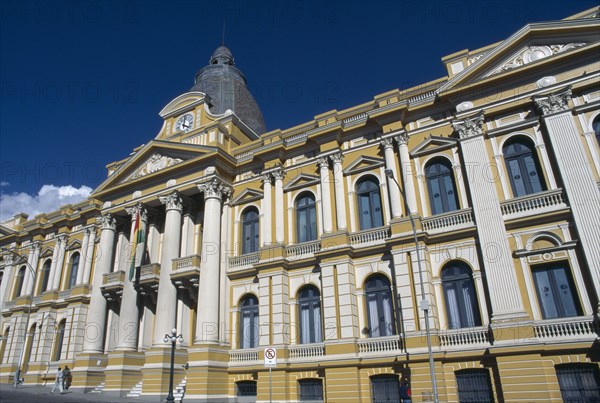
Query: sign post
270	362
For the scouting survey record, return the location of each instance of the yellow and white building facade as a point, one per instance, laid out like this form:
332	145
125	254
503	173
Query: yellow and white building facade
298	240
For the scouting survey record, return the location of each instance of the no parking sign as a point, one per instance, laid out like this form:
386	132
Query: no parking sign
270	357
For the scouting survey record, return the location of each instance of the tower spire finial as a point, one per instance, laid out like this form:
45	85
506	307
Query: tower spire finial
223	34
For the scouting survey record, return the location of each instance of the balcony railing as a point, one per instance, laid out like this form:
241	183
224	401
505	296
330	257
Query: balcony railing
244	260
448	221
150	270
187	262
114	277
307	351
567	328
244	355
379	345
370	236
473	336
302	249
537	202
64	294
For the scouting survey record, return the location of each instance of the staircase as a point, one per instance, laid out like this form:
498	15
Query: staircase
136	391
99	388
179	391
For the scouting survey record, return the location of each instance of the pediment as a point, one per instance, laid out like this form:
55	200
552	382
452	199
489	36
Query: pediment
156	156
46	252
433	144
247	196
76	244
533	44
363	163
183	103
301	181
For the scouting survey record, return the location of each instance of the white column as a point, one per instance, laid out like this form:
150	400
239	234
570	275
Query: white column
6	280
207	322
390	163
325	194
84	252
96	318
30	277
60	260
579	182
267	211
53	265
87	268
278	174
340	195
504	290
166	303
407	173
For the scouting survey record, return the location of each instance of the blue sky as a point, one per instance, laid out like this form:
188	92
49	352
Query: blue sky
81	83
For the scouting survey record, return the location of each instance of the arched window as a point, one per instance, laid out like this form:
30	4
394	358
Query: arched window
73	271
596	128
369	203
459	293
45	275
60	338
385	388
379	307
249	322
440	185
250	232
3	344
309	305
19	282
555	290
523	168
306	218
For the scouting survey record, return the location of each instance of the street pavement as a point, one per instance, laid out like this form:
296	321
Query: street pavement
41	394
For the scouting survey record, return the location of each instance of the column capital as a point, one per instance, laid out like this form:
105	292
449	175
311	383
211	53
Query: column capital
8	258
554	102
323	162
266	177
172	201
138	209
402	139
216	188
36	246
107	222
90	229
337	158
278	173
469	127
387	143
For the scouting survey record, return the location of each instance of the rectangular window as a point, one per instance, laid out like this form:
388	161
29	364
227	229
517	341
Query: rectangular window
474	386
385	388
311	390
579	382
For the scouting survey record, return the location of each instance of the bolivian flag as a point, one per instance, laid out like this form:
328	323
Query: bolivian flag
139	243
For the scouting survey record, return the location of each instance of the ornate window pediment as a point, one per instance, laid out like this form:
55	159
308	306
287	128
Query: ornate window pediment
433	144
301	181
363	163
247	196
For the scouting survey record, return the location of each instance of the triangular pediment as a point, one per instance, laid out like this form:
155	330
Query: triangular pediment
156	156
76	244
363	163
433	144
46	252
300	181
533	44
247	196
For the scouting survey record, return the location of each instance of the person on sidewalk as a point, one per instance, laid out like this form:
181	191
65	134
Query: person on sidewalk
405	393
58	382
67	378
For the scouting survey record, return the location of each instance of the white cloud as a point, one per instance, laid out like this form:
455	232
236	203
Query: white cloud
48	199
2	184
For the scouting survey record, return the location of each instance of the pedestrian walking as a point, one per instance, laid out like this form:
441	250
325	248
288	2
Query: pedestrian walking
405	393
58	382
67	378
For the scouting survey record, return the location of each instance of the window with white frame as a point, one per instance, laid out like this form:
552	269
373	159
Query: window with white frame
309	306
250	231
19	282
45	275
370	214
74	268
523	167
306	218
60	338
555	290
462	309
249	322
441	186
379	306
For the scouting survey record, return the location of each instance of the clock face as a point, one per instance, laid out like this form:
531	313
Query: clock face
184	123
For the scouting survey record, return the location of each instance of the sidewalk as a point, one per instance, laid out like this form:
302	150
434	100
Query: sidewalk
41	394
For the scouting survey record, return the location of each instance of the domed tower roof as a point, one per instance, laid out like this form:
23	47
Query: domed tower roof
226	86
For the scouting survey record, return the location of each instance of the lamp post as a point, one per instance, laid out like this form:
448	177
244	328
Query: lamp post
22	354
424	304
173	338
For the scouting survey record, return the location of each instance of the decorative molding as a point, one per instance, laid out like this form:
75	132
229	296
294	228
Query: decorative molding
323	162
301	181
554	102
337	158
172	201
387	142
545	81
433	144
469	127
155	163
267	177
247	196
138	208
464	106
363	163
402	138
278	173
215	188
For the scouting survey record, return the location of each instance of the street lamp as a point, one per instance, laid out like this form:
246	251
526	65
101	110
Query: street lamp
173	338
22	354
424	304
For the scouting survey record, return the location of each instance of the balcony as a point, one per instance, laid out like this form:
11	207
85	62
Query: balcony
533	204
244	357
373	236
307	352
380	346
244	261
450	221
186	271
467	337
112	285
302	250
149	278
567	329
